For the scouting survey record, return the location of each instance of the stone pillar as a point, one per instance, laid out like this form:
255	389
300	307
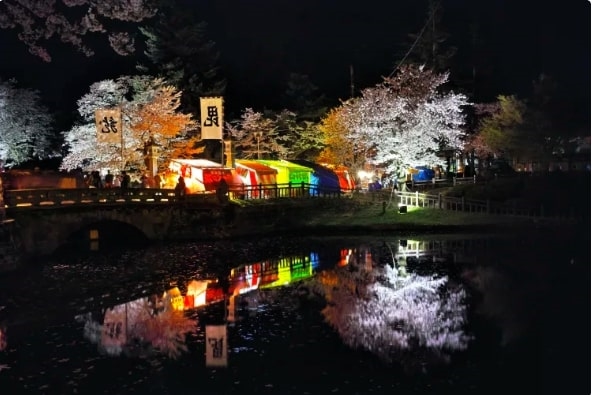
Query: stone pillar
152	159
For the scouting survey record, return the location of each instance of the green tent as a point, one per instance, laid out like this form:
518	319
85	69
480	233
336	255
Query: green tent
289	172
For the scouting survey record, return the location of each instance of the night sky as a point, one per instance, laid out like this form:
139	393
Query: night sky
262	41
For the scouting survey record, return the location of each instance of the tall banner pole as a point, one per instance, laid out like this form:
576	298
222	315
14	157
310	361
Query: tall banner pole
122	141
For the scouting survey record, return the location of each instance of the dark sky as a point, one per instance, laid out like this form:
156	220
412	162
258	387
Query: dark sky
262	41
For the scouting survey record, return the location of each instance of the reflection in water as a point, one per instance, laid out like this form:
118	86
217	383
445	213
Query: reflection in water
312	335
381	308
387	311
141	326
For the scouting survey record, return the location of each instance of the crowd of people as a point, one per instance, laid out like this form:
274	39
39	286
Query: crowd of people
136	180
124	180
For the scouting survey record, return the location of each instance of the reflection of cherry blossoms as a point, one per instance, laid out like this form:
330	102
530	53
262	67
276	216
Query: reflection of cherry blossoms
140	326
388	313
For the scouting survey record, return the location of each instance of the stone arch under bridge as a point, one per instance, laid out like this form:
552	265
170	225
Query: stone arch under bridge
43	231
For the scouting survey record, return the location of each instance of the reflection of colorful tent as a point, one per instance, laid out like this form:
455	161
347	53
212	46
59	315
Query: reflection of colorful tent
325	179
288	171
214	293
245	279
197	291
289	270
301	268
283	274
202	174
174	299
253	173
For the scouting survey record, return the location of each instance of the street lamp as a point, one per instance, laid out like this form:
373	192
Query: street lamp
258	136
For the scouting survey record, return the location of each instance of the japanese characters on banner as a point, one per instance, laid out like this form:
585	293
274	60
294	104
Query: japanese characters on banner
211	118
108	122
216	346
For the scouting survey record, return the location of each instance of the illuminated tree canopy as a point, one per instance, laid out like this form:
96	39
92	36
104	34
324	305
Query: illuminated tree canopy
148	113
71	20
254	134
26	130
338	149
406	120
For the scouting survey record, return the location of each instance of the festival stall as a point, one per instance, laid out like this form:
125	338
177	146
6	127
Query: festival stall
202	175
289	172
325	179
254	174
422	173
346	181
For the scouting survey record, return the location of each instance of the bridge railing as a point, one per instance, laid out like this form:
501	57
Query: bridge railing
22	198
286	190
96	196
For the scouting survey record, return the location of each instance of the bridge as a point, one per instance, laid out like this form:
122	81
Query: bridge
46	219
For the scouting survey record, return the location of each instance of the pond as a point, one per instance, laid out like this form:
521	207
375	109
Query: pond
412	314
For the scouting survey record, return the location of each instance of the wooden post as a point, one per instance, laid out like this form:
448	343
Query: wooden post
488	206
462	203
416	198
440	201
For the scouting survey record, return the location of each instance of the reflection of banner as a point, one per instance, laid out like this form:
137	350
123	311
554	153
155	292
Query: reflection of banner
115	326
211	117
108	123
216	346
231	317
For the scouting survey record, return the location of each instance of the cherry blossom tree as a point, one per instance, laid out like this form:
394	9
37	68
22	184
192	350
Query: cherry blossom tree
145	329
70	21
255	135
148	114
26	130
407	119
390	312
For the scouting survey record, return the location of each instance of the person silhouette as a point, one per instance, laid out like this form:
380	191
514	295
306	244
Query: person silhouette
180	187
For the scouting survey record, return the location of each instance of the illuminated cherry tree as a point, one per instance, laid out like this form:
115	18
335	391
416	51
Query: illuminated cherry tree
391	313
70	21
26	130
137	327
148	110
255	135
406	120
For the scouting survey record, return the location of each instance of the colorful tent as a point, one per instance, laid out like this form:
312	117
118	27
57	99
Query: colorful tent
253	173
422	173
202	174
325	179
346	181
289	172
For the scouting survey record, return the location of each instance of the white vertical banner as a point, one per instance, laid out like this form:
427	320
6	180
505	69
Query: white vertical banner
212	117
108	123
216	346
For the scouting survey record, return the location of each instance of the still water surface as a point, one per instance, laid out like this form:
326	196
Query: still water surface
381	315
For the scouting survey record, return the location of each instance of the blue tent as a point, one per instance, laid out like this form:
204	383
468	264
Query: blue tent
422	173
325	179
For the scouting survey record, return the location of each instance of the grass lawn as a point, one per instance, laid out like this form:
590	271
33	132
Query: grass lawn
373	215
